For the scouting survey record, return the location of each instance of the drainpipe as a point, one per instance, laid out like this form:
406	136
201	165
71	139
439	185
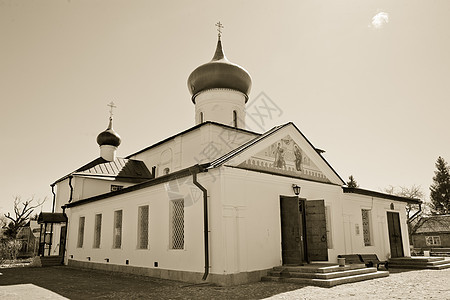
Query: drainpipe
71	188
205	221
54	197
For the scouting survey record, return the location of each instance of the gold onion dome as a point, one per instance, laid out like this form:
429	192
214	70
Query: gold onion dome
109	136
219	73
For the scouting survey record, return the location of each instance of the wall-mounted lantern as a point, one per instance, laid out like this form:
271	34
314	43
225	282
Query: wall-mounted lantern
296	189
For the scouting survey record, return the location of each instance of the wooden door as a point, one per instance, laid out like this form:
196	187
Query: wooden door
291	231
395	234
62	240
316	231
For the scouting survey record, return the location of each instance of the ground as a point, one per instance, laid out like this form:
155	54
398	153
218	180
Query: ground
64	282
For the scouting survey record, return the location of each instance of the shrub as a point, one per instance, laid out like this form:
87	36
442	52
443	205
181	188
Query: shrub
9	249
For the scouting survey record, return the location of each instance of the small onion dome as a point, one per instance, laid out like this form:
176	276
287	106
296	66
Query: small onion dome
219	73
109	136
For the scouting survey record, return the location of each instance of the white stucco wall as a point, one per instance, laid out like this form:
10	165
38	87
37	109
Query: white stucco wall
188	259
200	145
245	222
217	105
354	243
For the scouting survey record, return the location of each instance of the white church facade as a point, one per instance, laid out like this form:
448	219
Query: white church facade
217	202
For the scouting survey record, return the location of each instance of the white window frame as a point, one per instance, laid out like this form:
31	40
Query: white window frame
433	240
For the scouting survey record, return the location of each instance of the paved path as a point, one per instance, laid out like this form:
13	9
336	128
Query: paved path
423	284
64	282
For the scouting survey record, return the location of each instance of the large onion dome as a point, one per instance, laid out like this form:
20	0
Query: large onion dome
219	73
109	136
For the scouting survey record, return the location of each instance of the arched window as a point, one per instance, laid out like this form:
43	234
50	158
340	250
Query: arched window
235	118
201	117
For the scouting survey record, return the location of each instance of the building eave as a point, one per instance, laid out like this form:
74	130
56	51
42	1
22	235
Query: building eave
158	180
350	190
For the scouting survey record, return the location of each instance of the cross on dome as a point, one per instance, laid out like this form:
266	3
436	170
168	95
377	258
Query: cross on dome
219	28
111	107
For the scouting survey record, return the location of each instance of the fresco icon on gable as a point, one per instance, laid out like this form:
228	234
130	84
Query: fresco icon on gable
285	157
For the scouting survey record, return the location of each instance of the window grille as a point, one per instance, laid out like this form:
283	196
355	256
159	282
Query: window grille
80	232
97	230
433	240
143	227
366	227
177	218
117	241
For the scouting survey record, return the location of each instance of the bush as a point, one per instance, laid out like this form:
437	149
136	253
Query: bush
9	249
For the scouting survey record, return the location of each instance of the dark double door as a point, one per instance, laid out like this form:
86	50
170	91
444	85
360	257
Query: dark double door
395	234
303	230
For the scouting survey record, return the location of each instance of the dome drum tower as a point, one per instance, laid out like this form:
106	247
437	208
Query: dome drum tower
220	90
108	141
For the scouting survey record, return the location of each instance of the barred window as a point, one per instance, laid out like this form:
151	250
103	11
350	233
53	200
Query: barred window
365	213
143	227
80	232
97	230
117	239
177	224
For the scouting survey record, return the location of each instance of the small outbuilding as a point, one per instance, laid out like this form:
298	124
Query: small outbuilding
432	234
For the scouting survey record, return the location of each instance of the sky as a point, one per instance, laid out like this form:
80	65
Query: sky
367	81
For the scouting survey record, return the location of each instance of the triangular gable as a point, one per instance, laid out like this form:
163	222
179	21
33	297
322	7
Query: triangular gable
283	150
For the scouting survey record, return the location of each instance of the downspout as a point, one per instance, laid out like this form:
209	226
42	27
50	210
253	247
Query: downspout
71	188
54	197
205	222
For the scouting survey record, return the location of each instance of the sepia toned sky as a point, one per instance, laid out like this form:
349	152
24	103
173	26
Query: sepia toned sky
367	81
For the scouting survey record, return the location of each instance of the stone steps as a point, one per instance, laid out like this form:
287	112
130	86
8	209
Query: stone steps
420	262
323	276
48	261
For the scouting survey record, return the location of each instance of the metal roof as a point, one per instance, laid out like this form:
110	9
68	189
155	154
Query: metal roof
122	169
52	218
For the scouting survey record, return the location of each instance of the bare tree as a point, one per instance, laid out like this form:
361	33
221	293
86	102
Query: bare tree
413	192
22	212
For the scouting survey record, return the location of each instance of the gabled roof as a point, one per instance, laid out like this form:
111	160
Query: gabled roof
433	224
225	158
221	160
122	169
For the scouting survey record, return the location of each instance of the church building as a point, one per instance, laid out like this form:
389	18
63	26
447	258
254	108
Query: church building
217	202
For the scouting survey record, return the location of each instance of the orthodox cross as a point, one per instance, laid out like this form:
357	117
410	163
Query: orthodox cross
219	28
111	107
